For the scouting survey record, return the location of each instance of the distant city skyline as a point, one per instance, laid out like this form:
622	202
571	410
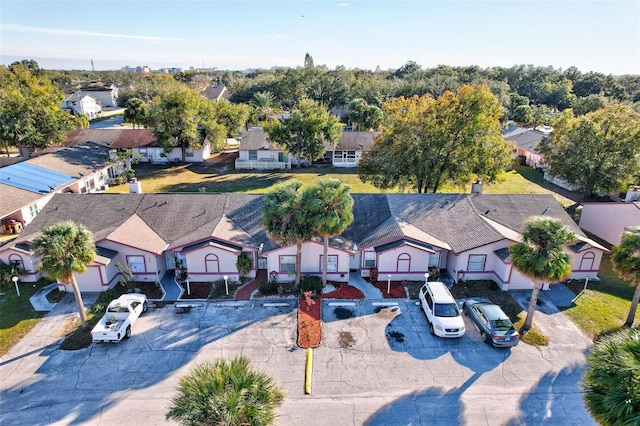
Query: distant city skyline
601	36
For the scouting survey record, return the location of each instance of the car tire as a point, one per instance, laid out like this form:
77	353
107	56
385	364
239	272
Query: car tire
431	329
144	307
483	336
127	333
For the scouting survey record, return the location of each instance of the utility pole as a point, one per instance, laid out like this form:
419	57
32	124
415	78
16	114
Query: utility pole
92	68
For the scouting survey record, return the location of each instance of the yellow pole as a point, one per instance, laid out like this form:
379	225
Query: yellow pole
308	371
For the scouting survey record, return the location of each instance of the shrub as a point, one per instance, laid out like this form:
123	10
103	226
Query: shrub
310	283
269	287
107	296
373	274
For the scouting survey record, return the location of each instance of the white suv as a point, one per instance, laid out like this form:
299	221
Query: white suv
441	310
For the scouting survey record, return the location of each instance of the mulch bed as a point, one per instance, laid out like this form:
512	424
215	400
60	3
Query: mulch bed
309	323
397	289
197	290
344	291
149	289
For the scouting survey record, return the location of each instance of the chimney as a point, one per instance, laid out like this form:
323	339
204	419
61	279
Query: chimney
476	187
135	187
267	144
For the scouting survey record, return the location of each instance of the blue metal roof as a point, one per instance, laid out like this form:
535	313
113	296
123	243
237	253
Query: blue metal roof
33	178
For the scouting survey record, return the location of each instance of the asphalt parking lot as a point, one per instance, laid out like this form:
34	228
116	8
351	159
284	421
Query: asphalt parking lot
378	365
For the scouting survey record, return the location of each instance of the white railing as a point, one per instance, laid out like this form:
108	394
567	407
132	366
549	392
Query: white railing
264	165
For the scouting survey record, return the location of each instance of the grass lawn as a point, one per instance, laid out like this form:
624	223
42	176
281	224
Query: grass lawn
17	316
604	306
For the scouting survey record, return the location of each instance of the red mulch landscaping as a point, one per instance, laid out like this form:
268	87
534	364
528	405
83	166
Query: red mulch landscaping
344	291
397	290
197	290
309	323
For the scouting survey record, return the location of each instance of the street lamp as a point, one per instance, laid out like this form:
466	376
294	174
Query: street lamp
388	283
426	277
188	287
15	282
226	284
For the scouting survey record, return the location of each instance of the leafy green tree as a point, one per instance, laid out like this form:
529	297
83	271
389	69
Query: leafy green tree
330	211
226	393
589	104
286	220
30	113
625	258
523	114
597	151
137	111
612	379
540	256
63	249
305	132
426	142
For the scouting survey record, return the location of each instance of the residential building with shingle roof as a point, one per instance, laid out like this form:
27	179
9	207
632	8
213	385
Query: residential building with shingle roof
402	235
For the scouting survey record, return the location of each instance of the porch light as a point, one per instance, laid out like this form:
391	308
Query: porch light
15	282
226	284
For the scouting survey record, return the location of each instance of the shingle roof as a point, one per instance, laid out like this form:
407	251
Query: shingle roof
134	138
256	140
78	161
356	141
528	139
100	136
157	222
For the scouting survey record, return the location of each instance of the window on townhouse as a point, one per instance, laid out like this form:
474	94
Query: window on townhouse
287	264
476	262
136	263
332	263
369	259
33	208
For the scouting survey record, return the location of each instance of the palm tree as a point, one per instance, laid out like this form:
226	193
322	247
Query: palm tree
226	393
625	258
263	104
286	220
63	249
611	379
330	212
540	256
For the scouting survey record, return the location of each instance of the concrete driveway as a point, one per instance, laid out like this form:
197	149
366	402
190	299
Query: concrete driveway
378	365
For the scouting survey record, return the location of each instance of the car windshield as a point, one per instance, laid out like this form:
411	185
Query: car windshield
502	325
446	310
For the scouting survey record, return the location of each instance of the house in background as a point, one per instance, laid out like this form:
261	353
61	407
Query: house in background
350	149
402	236
527	140
216	93
256	151
608	220
105	94
27	186
78	103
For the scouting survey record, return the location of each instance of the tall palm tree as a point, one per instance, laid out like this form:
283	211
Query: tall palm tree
625	258
63	249
286	220
330	212
226	393
541	257
611	379
263	104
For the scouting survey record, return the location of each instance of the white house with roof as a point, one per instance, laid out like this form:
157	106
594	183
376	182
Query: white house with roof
105	95
527	141
608	220
78	103
404	236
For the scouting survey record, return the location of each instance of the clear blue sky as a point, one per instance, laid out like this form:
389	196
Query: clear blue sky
601	36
